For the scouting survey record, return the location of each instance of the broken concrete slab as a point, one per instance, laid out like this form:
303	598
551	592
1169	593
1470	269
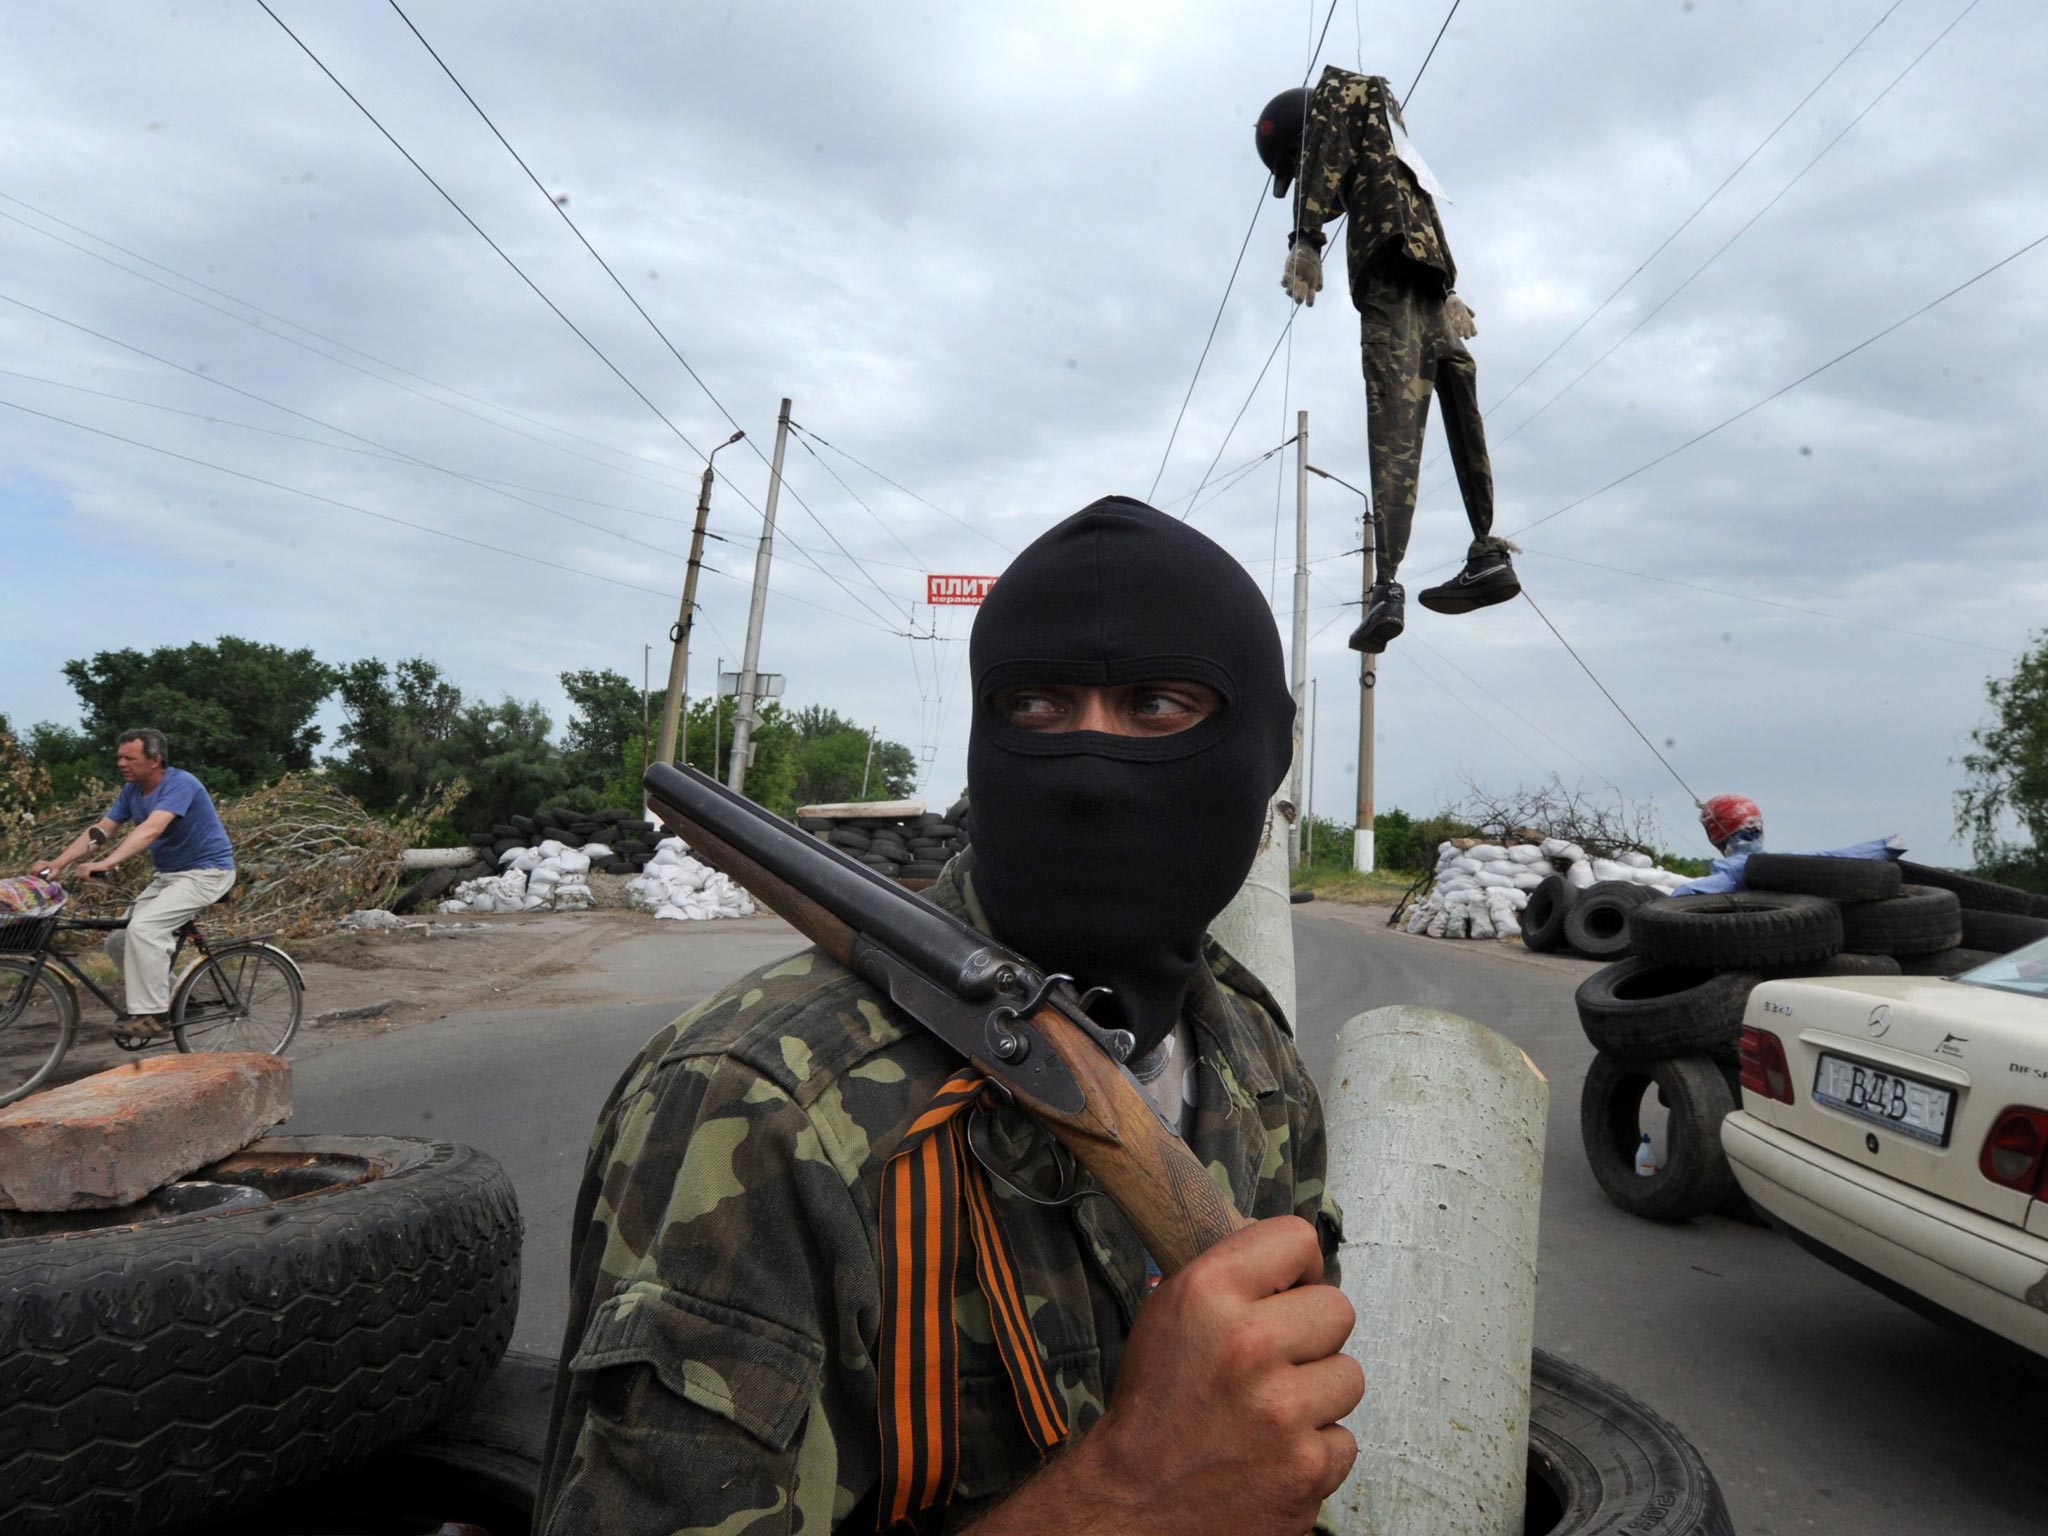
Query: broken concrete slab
109	1139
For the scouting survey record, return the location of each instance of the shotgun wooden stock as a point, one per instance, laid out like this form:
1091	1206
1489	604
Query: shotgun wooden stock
1167	1195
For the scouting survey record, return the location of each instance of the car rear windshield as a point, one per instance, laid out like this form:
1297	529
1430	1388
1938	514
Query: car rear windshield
2024	970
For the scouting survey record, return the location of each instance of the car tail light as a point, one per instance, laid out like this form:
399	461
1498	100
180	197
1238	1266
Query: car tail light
1764	1067
2016	1152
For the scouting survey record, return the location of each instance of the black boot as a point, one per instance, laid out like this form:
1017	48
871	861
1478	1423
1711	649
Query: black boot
1384	619
1488	578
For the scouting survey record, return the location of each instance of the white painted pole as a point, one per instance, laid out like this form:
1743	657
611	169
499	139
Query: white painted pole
1257	927
1300	648
744	718
1436	1156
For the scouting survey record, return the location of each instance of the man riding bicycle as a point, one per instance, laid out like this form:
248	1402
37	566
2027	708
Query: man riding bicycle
174	820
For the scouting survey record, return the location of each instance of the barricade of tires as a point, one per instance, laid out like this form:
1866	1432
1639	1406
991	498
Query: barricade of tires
903	847
1668	1016
1591	920
628	839
1490	890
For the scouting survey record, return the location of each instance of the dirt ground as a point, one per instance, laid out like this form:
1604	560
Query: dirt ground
360	984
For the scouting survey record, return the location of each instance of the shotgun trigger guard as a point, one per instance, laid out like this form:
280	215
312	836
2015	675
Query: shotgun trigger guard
1070	1189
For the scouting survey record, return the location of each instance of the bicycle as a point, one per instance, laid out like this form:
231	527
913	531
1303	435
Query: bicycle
240	996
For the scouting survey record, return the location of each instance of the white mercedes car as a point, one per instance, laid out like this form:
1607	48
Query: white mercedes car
1898	1128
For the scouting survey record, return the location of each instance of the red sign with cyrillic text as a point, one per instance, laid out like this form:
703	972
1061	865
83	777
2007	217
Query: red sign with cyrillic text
959	591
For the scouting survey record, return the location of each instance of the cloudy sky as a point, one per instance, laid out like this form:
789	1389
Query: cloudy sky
980	247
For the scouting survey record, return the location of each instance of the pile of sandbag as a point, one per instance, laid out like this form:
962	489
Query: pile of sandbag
676	886
900	839
1481	889
619	842
551	874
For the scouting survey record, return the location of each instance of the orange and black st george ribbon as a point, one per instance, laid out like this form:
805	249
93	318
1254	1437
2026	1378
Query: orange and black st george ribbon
926	1184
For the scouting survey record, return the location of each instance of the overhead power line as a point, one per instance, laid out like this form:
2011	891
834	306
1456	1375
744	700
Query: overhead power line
577	330
1786	389
906	490
1440	31
386	517
562	212
1743	229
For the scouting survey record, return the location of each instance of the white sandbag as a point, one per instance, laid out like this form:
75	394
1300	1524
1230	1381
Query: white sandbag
1419	918
454	906
1464	864
1493	882
1558	848
529	858
596	851
1526	853
508	856
1580	875
1636	860
1507	924
1530	879
1464	898
1457	922
1478	925
1607	869
1506	867
550	846
1484	851
1445	852
1438	922
572	861
542	876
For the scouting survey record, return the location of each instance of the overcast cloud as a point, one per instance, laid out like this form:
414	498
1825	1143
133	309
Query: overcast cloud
980	247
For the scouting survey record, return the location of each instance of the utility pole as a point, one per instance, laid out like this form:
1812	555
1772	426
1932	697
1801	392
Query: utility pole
1308	814
1368	677
646	666
679	637
717	704
869	763
1300	669
743	720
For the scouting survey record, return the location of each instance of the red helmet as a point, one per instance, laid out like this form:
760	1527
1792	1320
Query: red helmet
1727	817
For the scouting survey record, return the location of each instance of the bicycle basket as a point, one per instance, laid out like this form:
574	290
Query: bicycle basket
25	935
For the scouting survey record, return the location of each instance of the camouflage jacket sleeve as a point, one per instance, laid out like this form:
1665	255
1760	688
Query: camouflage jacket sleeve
704	1334
1349	166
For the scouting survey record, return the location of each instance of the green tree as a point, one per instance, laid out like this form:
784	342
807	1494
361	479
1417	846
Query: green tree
504	752
68	757
2006	791
396	724
608	717
832	761
238	713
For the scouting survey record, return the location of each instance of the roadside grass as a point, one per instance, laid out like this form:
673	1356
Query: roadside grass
1381	888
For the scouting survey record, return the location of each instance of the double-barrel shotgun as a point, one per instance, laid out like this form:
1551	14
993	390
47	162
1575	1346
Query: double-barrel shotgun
1027	1031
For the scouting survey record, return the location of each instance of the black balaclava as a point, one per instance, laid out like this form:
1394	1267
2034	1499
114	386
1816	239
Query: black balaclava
1104	856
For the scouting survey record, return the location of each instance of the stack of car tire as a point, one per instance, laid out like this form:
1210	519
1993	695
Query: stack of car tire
630	837
900	847
1593	922
1669	1016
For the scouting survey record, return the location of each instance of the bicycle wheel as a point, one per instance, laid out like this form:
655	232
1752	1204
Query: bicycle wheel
38	1017
241	998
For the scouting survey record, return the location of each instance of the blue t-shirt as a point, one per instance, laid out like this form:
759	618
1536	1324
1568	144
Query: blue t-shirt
195	838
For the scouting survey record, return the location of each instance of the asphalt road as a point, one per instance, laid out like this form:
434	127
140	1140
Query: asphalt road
1820	1405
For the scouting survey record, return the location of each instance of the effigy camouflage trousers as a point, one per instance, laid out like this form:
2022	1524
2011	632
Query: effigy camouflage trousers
1410	354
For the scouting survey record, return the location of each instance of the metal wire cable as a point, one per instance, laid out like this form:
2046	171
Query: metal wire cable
563	213
1440	31
1609	696
906	490
1258	207
580	334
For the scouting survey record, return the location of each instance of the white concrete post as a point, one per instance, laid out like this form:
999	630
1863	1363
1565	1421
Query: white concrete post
1257	926
1436	1156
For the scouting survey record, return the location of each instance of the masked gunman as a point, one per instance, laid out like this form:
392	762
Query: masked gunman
765	1335
1351	149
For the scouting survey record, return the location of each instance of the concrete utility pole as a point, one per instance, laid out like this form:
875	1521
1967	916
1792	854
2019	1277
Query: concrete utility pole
1300	669
679	637
1368	678
744	719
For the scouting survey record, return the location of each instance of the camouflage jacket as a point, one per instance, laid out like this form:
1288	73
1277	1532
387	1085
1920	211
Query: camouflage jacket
1348	165
724	1282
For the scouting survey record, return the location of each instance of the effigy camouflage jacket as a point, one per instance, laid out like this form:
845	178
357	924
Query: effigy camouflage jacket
724	1284
1348	165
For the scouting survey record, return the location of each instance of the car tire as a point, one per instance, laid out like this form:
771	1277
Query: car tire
477	1471
1973	892
165	1367
1946	962
1543	919
1642	1010
2001	932
1809	874
1844	964
1918	921
1738	930
1695	1178
1596	924
1601	1462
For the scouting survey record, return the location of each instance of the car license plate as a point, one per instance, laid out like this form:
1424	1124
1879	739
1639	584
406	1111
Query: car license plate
1905	1104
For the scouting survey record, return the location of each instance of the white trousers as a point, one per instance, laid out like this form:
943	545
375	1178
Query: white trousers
143	949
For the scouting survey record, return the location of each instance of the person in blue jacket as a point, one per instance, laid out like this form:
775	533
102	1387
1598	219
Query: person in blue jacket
1734	824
